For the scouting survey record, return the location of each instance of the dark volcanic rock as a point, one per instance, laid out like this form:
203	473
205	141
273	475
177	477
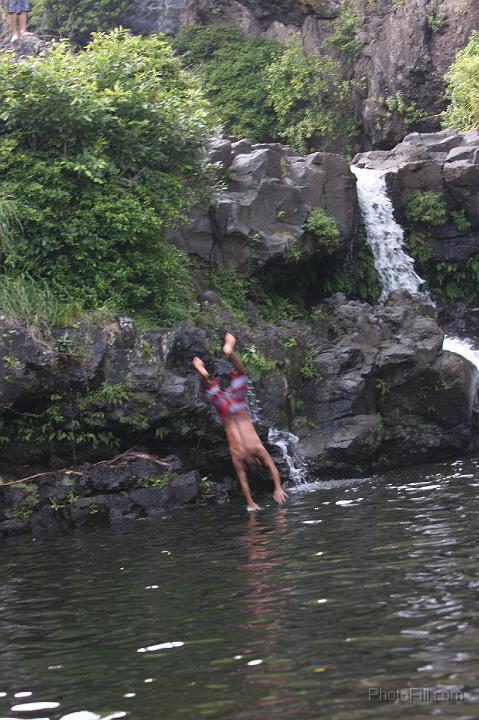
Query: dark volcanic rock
95	495
445	162
361	387
403	47
260	216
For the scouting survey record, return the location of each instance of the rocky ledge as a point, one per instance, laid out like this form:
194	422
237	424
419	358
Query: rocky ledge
130	487
362	387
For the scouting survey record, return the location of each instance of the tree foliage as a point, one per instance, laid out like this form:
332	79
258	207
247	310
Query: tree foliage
309	97
267	91
101	151
463	88
233	69
77	19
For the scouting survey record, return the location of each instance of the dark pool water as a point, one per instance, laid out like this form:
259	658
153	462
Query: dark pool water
357	588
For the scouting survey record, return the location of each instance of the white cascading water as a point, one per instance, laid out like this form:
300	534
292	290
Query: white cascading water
395	267
385	236
286	443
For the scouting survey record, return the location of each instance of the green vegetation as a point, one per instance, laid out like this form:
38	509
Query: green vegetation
29	502
308	369
256	362
266	90
100	152
233	69
463	88
77	19
309	97
407	109
460	220
357	276
344	35
446	280
323	227
426	208
230	284
435	20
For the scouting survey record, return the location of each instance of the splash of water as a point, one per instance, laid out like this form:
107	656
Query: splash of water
462	347
286	442
384	235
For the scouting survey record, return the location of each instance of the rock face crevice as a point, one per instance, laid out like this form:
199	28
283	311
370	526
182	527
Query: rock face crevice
403	46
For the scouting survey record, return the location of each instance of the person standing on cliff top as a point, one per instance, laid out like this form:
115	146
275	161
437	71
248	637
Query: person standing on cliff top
244	444
17	10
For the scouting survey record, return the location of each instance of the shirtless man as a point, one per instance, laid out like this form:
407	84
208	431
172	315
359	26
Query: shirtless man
243	441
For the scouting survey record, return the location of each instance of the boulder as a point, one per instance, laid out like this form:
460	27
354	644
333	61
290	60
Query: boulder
445	162
259	217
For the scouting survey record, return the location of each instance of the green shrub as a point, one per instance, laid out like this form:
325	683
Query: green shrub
460	220
463	88
435	20
344	35
309	97
233	69
230	284
407	109
427	208
77	19
100	152
267	91
323	227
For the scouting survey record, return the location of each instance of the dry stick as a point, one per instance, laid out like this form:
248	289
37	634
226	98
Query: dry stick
142	456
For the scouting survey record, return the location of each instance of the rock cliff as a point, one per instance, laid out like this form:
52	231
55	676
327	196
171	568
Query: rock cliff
404	47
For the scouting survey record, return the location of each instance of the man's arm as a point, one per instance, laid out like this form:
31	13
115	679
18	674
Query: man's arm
279	494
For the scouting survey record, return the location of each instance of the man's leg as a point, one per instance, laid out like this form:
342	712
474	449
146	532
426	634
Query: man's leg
244	485
228	347
22	21
13	25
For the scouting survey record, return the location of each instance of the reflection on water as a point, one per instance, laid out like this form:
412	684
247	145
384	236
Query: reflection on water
293	612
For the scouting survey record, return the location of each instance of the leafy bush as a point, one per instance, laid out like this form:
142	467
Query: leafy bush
77	19
265	90
463	88
427	208
446	280
231	286
344	35
233	69
100	152
309	97
460	220
323	227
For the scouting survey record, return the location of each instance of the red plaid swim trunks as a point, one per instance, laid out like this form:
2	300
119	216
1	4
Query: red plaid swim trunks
231	401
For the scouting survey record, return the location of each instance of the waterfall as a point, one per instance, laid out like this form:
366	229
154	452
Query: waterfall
462	347
286	443
384	235
386	239
284	440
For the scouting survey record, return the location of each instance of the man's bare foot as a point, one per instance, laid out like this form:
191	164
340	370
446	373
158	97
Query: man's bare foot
252	507
199	365
14	38
230	342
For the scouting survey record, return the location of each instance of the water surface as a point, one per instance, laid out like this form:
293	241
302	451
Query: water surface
293	612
